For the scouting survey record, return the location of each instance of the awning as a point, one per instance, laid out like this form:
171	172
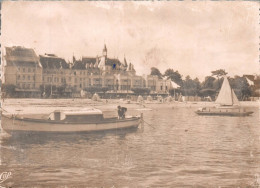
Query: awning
174	85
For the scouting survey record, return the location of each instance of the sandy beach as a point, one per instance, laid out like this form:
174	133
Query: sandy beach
45	106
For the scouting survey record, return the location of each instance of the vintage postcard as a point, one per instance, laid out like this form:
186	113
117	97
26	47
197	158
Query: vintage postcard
130	94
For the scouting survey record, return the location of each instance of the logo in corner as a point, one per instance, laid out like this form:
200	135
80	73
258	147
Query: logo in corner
4	176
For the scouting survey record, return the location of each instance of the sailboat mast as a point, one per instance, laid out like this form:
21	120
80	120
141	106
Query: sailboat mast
232	97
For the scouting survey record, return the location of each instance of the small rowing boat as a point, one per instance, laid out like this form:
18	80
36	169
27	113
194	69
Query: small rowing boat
87	120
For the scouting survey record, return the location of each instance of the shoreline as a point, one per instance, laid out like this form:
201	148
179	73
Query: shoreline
36	106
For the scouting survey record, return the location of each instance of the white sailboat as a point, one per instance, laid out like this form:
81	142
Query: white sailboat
227	96
227	103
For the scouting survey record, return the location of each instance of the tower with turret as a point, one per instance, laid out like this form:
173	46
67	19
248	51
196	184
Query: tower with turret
104	53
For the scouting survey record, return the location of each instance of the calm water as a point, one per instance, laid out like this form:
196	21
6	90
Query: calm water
184	150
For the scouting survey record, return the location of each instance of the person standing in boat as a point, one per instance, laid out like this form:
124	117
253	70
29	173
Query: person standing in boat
121	112
123	109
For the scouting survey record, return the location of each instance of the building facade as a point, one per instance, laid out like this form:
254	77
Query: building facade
49	75
23	70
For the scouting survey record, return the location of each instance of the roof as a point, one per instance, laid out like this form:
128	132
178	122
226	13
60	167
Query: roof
20	56
112	62
78	65
174	85
81	64
253	78
85	111
18	53
52	61
250	77
88	60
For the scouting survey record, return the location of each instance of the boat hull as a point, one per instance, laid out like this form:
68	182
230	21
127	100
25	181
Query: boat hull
10	124
212	113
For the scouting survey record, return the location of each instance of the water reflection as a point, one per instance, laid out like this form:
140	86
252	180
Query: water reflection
183	150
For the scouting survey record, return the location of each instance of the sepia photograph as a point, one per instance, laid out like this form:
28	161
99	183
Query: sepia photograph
130	94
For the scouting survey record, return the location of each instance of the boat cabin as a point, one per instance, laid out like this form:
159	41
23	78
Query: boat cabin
86	115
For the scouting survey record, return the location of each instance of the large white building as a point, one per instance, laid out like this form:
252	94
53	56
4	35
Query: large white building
30	73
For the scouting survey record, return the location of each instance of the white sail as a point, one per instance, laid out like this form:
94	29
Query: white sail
226	95
234	97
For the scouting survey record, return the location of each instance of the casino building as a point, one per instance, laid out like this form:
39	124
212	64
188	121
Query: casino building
34	76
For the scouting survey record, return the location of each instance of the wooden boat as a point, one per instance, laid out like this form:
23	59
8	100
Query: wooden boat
87	120
223	112
227	104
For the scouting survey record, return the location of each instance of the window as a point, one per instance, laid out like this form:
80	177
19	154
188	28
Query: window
166	87
34	70
33	85
23	69
28	86
23	77
29	77
33	77
18	77
29	69
161	87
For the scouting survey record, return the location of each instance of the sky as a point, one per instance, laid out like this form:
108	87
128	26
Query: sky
194	38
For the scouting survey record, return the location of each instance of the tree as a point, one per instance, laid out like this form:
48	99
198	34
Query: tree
190	87
219	73
155	71
208	83
174	76
241	87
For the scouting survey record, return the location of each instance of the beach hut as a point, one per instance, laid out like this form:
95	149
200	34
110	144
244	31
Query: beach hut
181	99
82	94
160	98
169	99
149	98
140	98
95	97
